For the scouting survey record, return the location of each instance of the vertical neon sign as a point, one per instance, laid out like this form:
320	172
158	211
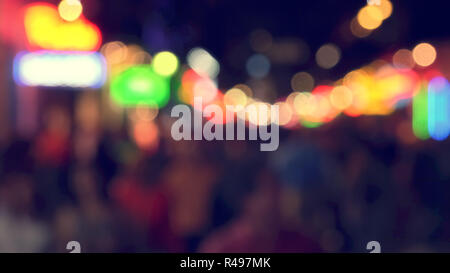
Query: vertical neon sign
420	113
439	108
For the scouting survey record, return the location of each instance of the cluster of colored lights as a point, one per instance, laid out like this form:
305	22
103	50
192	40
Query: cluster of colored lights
64	45
373	90
377	89
146	84
141	84
431	109
370	17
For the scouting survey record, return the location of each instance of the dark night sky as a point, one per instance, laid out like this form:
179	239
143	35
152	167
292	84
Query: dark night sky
223	20
220	25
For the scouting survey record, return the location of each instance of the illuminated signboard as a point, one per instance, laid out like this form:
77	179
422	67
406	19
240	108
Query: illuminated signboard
46	29
55	68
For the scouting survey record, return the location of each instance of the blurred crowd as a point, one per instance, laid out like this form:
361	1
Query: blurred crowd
327	189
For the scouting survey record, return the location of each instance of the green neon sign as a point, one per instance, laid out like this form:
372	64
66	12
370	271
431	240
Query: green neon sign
140	85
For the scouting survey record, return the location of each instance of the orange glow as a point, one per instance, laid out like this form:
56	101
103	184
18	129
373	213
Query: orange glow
244	88
115	52
424	54
396	85
325	112
341	97
385	8
258	113
357	81
45	29
371	94
322	90
146	135
235	98
305	104
186	92
286	113
377	92
370	17
194	85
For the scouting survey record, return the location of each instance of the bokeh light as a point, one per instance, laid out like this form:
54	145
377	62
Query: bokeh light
258	66
120	57
341	97
370	17
386	8
304	104
325	111
302	82
328	56
245	88
114	52
258	113
113	159
203	62
165	63
70	10
286	114
291	97
206	89
186	90
424	54
235	97
145	135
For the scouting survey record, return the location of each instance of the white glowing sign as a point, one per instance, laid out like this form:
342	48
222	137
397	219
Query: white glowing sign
57	68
